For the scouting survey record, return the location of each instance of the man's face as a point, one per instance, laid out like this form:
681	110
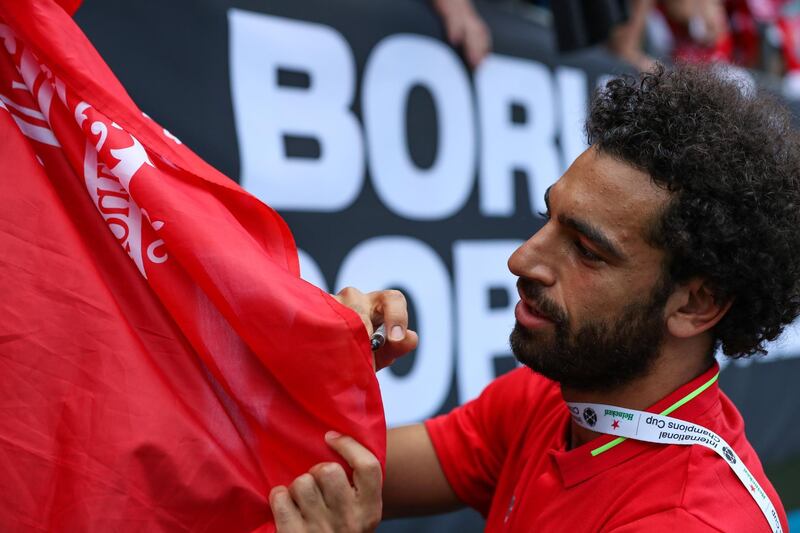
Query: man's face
591	288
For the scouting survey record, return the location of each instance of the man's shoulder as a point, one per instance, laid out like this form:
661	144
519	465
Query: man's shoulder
692	487
715	494
703	489
688	488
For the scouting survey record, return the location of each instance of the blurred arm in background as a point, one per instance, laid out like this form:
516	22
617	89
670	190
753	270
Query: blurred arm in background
465	29
626	39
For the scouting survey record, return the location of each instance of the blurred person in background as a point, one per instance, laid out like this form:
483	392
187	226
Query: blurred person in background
697	30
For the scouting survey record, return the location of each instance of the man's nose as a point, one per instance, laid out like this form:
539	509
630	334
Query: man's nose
532	259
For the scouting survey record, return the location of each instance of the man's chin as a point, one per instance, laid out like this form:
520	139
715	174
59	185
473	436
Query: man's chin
538	351
530	347
531	339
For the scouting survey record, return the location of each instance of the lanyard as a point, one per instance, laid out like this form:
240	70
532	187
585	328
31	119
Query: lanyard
651	427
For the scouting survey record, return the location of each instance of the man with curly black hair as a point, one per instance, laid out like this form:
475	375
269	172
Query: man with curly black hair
674	235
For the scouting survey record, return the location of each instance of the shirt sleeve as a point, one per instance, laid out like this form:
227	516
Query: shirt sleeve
669	521
472	441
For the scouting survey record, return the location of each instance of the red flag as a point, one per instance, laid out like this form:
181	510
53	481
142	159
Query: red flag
162	365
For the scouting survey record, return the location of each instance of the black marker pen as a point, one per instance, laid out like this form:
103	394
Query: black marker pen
378	338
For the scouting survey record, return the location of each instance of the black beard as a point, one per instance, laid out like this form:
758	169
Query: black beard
599	356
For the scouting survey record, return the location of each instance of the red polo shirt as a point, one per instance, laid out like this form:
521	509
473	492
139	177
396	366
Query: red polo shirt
505	454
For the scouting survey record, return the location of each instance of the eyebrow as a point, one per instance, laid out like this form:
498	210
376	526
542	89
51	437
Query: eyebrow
587	230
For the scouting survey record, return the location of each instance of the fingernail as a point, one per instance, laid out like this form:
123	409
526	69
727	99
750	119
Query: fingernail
397	333
331	435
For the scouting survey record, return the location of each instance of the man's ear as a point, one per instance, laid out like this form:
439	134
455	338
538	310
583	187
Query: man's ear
691	309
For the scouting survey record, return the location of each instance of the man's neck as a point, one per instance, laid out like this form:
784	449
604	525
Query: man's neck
670	371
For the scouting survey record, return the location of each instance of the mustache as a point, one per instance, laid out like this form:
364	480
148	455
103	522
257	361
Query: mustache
534	292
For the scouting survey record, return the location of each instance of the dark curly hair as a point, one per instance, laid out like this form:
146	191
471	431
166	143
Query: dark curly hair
731	161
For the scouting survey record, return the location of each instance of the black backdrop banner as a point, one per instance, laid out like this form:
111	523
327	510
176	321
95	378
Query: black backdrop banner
395	166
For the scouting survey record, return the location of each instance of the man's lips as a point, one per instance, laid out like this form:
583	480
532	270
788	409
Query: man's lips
529	315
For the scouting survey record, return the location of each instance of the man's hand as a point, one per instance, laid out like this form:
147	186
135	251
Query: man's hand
323	500
383	307
465	29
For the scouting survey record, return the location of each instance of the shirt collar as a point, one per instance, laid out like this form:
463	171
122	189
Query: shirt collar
688	402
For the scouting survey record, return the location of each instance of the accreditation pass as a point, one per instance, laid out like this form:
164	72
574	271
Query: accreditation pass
651	427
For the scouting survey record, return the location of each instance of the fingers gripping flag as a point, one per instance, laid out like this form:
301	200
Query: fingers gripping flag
162	365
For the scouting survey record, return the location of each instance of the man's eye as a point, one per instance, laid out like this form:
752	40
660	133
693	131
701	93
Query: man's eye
585	252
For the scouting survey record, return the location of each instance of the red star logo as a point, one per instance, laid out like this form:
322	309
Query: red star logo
615	424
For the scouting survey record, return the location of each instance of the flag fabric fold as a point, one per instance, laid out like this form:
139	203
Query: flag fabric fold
162	365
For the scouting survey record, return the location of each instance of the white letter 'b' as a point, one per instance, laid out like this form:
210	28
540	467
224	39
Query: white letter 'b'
267	112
